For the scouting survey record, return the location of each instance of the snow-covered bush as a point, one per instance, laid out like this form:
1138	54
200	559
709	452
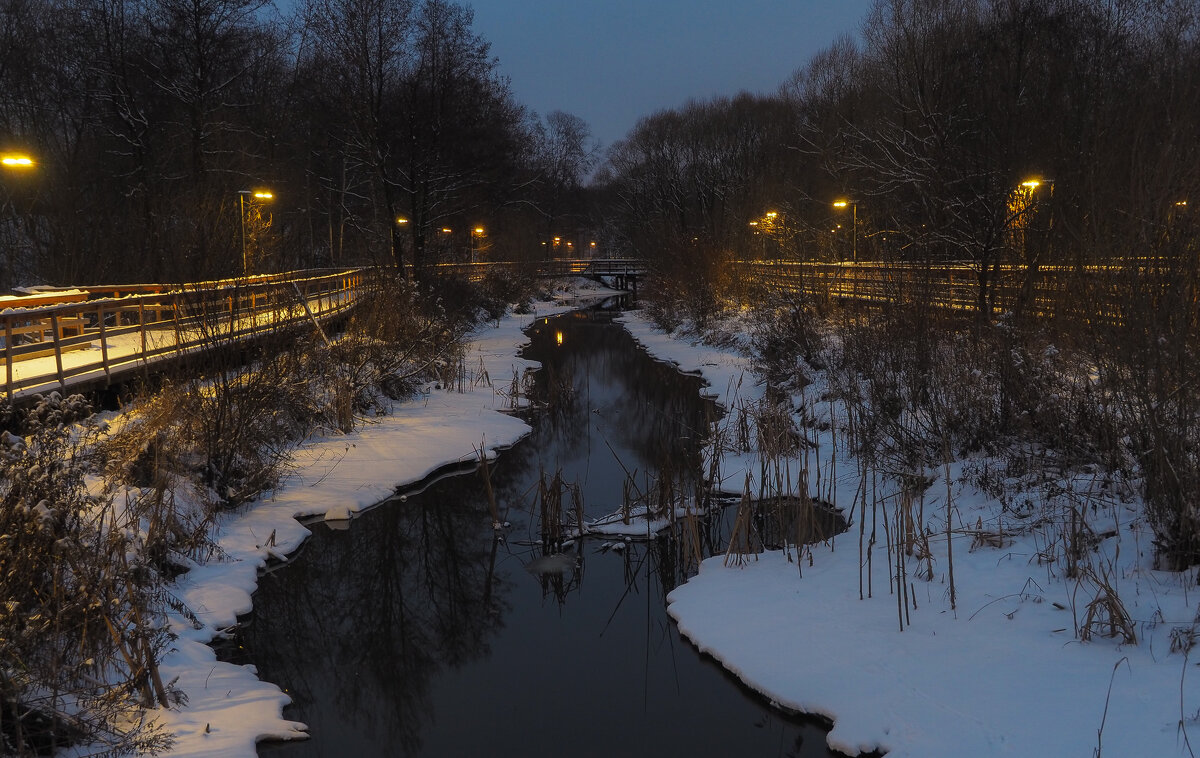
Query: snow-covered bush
79	649
787	337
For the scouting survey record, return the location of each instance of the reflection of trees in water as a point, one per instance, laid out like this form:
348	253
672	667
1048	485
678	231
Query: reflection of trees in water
652	415
366	623
367	617
645	406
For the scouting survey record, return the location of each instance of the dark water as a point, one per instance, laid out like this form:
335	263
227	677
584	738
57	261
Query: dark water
419	631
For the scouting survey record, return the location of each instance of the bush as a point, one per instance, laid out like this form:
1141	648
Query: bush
79	651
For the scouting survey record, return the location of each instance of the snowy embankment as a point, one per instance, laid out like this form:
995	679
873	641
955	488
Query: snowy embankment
1002	673
228	709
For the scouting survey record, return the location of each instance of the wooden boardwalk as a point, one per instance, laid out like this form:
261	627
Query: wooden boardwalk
65	340
68	339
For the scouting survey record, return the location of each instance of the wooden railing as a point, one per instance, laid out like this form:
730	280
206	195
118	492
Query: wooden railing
544	268
56	339
1089	293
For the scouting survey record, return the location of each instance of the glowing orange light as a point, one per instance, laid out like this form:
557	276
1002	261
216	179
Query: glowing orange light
16	161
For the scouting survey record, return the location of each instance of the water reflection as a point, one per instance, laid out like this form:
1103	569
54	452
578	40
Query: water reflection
420	631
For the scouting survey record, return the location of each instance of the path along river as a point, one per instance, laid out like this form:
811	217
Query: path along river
419	630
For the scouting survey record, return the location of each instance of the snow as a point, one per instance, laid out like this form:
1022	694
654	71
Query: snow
641	522
1003	674
228	709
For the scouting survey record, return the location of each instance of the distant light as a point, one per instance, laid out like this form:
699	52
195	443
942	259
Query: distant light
1182	203
1031	184
401	220
16	161
771	214
753	223
558	337
447	229
264	195
479	230
840	203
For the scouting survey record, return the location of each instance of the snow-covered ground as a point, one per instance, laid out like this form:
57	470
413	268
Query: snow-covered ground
228	709
1001	674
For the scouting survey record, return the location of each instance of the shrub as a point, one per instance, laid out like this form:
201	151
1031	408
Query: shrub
79	651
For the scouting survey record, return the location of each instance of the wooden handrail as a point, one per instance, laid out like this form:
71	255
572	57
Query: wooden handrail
99	332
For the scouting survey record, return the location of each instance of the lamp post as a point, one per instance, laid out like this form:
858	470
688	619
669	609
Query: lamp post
476	234
14	163
853	226
260	195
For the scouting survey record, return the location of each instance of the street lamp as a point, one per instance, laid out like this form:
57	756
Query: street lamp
476	233
16	161
853	226
259	195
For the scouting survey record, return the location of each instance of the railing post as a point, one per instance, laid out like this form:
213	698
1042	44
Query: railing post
62	380
8	357
178	332
103	343
142	324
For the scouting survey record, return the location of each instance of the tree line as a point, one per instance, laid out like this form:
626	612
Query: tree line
1049	148
383	130
989	132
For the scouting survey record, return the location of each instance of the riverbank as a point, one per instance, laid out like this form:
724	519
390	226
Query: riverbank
228	709
1002	672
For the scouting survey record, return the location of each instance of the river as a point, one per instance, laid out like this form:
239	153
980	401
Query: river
422	631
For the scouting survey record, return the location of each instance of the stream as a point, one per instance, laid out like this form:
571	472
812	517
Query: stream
419	630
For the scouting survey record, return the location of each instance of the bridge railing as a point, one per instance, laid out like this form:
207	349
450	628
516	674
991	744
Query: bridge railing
544	268
54	338
1089	293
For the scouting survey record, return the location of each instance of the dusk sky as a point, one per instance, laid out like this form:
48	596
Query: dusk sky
610	62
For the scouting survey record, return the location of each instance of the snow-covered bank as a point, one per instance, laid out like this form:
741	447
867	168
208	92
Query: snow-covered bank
1004	673
228	710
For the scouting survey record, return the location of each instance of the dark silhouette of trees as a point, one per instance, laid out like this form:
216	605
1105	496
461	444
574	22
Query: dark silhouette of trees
1051	146
148	119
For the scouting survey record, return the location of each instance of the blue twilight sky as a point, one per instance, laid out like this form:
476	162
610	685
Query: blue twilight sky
610	62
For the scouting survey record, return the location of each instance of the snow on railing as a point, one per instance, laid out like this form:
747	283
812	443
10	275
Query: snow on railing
56	339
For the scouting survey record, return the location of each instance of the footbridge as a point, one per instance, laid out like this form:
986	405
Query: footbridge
81	338
85	337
